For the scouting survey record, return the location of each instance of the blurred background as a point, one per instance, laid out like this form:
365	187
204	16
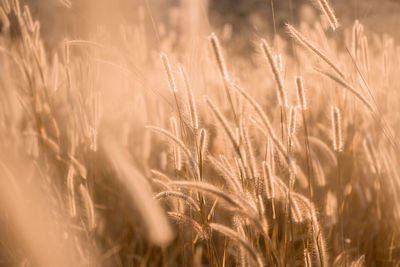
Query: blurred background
242	17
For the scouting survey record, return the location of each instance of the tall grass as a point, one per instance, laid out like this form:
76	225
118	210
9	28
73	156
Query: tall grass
113	157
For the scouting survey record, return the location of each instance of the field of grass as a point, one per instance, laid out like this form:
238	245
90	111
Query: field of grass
155	145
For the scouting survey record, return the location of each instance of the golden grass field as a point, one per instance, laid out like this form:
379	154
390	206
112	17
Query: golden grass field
151	144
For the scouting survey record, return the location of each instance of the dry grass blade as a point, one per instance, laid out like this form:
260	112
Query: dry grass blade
249	150
222	120
316	142
308	45
282	96
348	87
268	180
227	174
241	240
277	143
177	151
186	220
186	198
161	176
87	201
208	188
173	138
191	100
71	191
263	117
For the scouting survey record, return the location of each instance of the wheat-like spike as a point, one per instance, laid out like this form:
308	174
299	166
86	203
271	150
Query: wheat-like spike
330	15
229	177
192	102
175	139
222	121
301	95
219	57
177	151
336	129
186	220
348	87
307	44
169	73
292	125
238	238
282	96
87	201
177	194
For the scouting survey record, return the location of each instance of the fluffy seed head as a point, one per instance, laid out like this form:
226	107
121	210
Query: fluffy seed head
336	129
301	40
330	15
168	72
219	57
275	71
